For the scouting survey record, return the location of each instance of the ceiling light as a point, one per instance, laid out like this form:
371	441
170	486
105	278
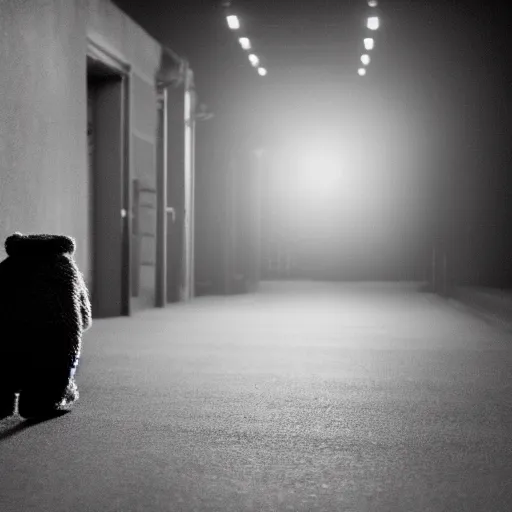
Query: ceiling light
373	22
369	43
254	59
233	22
245	43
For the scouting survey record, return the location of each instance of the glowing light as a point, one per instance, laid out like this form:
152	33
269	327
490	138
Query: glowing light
369	43
245	43
373	3
254	59
319	172
373	22
361	71
233	22
365	59
262	71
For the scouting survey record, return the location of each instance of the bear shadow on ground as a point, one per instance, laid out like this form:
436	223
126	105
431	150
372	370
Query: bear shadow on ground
24	424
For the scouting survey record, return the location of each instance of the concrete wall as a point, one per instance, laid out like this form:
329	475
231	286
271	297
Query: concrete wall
43	173
43	176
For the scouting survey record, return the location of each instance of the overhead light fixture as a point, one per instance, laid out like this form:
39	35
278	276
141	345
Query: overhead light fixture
361	71
245	43
365	59
254	59
233	22
262	71
373	3
373	22
369	43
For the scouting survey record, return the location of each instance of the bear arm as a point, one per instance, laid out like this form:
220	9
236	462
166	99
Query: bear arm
85	309
85	304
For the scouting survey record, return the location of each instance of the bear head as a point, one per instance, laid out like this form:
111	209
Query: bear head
39	245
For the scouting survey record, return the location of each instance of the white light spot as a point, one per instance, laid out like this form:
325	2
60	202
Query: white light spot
233	22
245	43
254	59
369	43
373	23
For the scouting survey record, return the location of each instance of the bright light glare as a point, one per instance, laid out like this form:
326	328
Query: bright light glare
365	59
373	23
233	22
254	59
369	43
262	71
319	173
245	43
373	3
361	71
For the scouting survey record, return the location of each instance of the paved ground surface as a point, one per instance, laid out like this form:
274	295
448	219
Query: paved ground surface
306	397
491	304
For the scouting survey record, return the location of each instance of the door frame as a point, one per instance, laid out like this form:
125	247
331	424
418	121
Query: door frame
107	57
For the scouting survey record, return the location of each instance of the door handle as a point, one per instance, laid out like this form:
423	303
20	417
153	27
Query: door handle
171	211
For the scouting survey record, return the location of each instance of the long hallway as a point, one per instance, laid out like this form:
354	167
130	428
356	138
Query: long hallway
302	397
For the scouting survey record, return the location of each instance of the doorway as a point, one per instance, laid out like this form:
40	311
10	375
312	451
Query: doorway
109	190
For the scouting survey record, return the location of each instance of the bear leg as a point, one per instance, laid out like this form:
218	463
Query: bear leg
47	393
8	389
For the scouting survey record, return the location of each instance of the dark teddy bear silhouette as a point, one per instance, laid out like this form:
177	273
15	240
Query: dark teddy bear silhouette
44	309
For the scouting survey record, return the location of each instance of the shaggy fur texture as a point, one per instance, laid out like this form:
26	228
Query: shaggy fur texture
44	309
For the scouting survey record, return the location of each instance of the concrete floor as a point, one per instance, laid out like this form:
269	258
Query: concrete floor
305	397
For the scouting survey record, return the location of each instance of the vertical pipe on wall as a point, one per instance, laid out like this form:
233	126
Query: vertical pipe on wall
161	239
256	212
192	199
186	275
433	270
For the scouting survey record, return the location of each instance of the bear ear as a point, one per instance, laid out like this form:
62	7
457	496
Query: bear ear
12	241
68	244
